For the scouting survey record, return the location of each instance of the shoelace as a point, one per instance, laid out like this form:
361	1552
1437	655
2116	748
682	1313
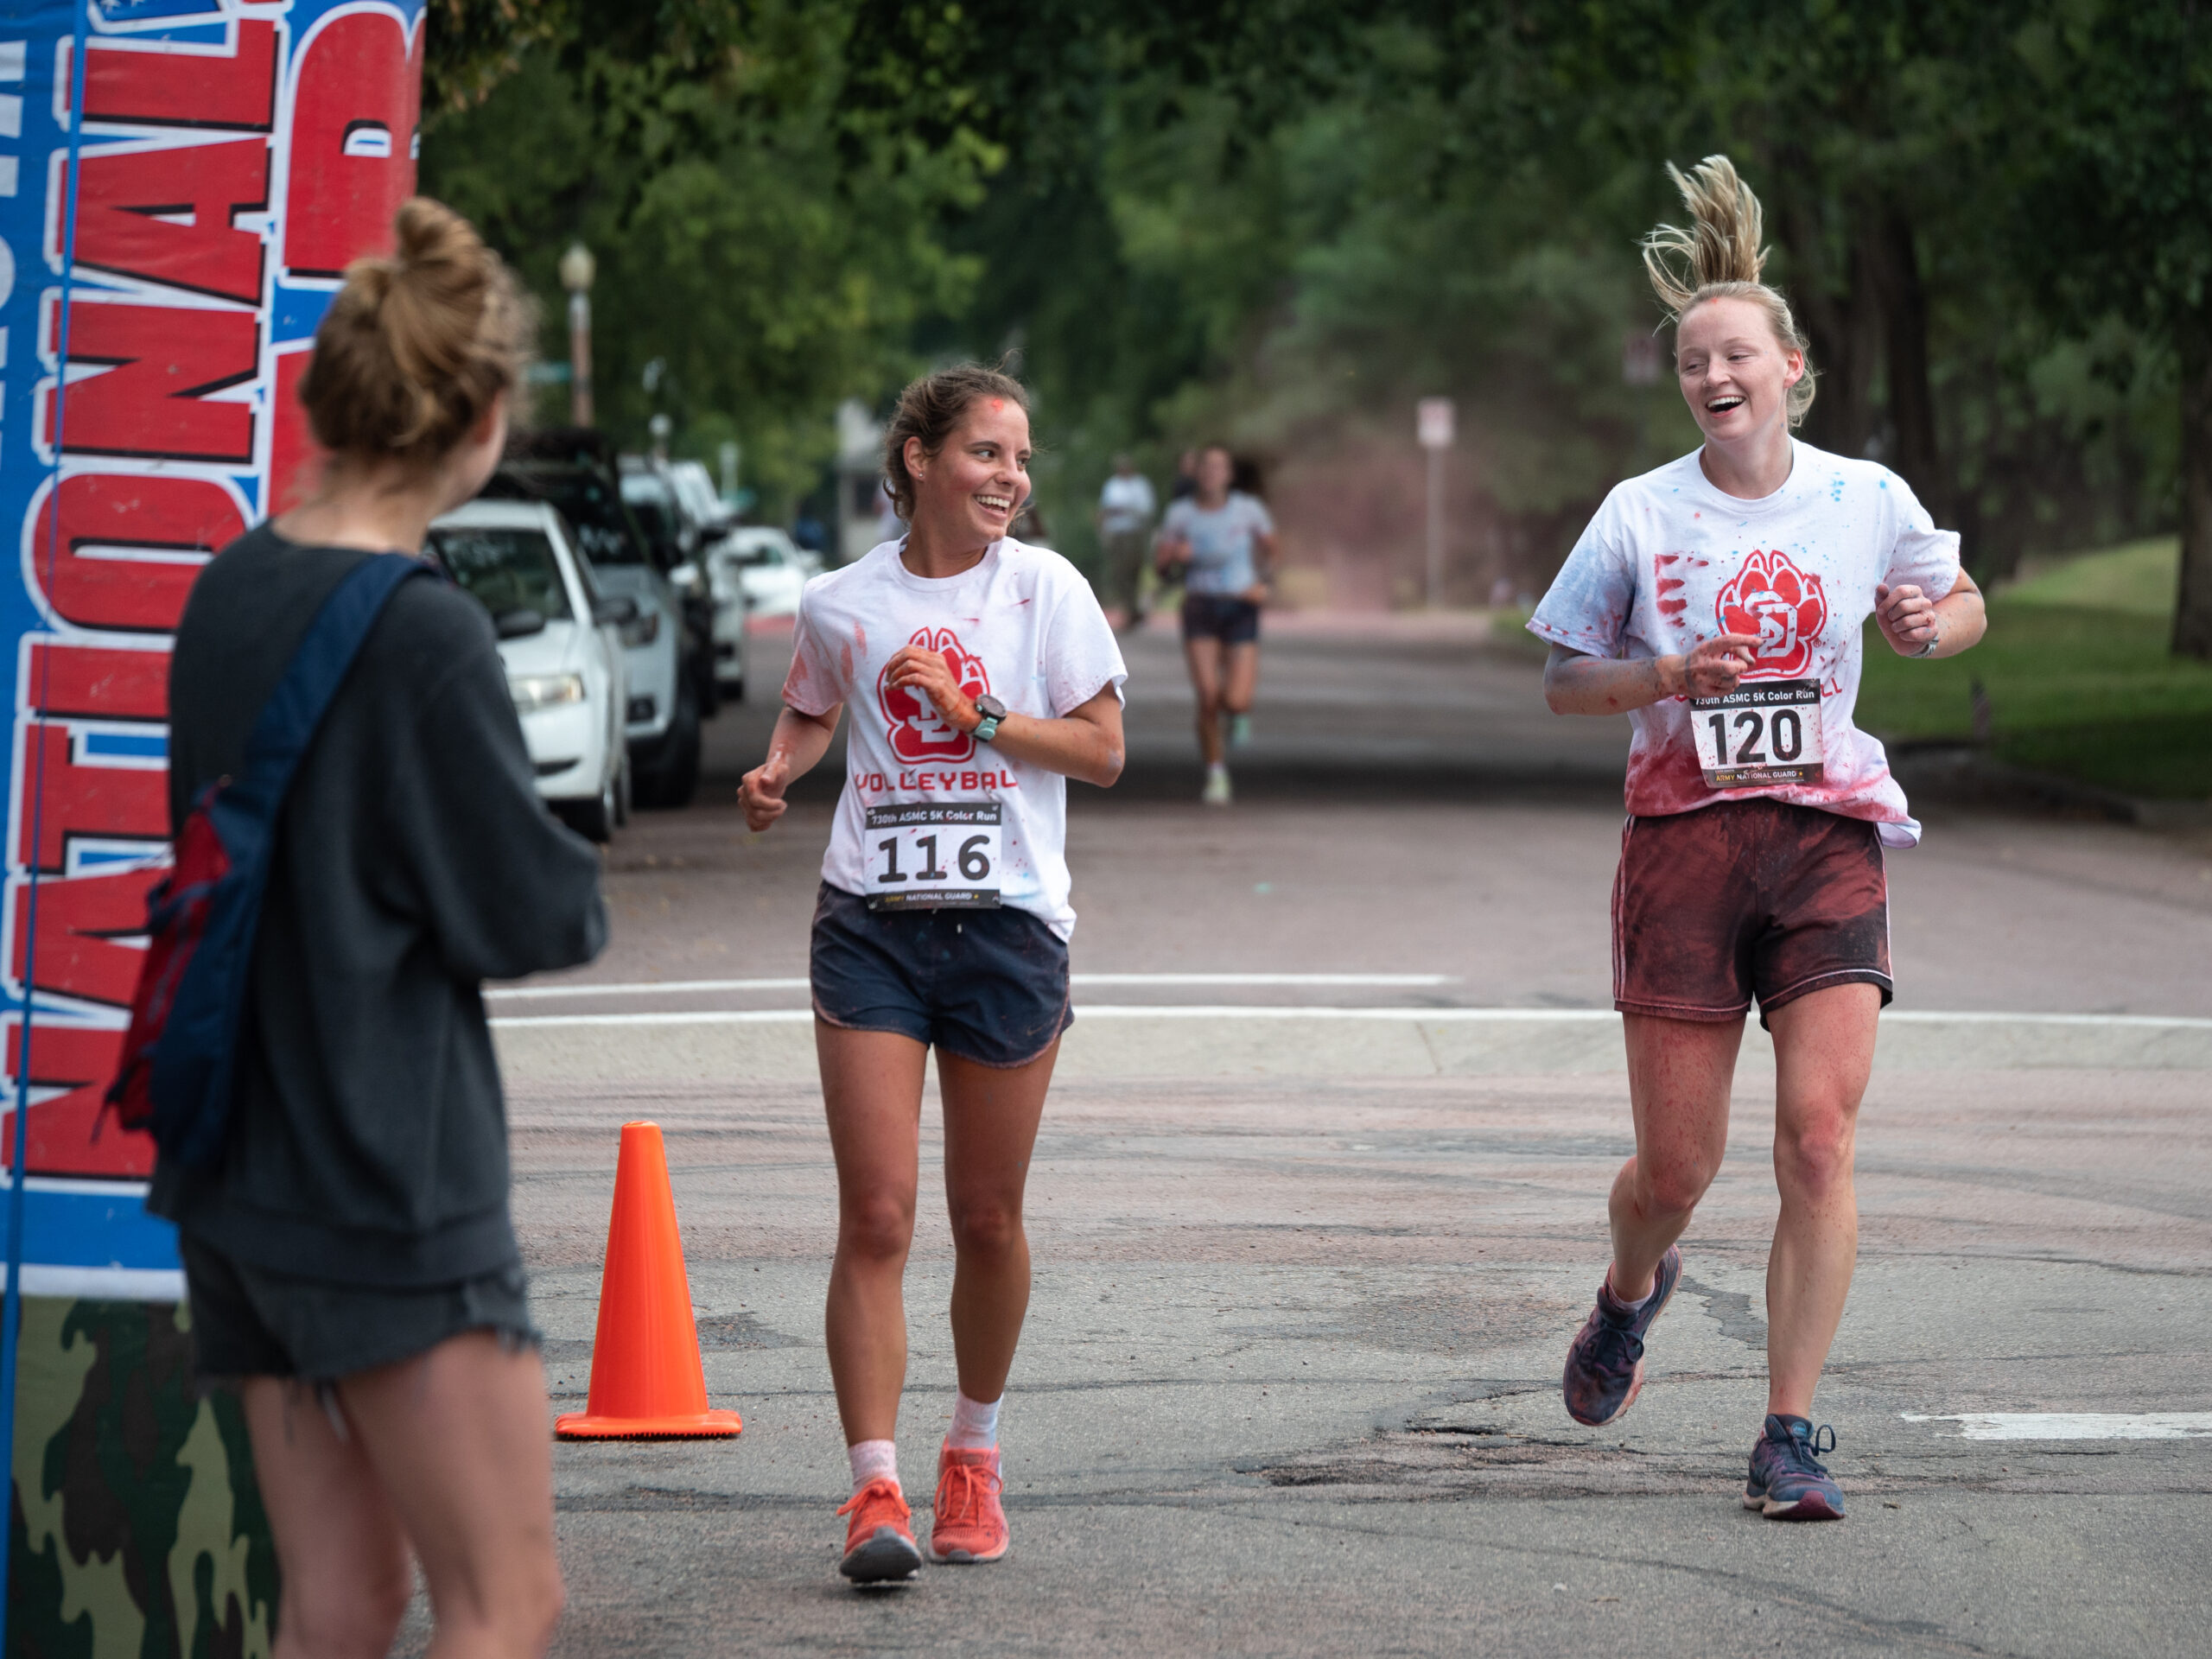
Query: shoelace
878	1492
1617	1347
1804	1456
969	1483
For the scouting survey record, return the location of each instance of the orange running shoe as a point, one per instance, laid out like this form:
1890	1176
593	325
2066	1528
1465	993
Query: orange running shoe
880	1544
969	1523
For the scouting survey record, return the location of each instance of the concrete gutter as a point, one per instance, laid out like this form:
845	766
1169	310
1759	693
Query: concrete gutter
1193	1043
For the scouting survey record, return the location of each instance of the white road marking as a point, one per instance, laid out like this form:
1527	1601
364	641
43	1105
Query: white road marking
672	987
669	987
1266	1011
2074	1425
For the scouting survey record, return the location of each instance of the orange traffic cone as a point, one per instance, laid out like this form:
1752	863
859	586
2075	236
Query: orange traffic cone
647	1380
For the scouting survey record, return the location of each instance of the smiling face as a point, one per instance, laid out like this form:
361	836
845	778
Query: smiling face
1735	374
971	488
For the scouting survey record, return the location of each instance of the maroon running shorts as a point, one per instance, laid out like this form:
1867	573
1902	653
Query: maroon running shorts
1746	899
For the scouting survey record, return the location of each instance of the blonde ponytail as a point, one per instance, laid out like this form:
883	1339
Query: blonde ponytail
1718	257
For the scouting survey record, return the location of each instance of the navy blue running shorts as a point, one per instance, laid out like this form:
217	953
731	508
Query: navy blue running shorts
1225	617
989	986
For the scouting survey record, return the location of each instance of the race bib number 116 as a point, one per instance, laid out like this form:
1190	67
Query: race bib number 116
1768	732
933	855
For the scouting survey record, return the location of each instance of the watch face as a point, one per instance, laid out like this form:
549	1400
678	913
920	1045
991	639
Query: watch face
990	708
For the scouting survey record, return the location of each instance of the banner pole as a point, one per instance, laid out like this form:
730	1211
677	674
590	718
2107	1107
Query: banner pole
11	1300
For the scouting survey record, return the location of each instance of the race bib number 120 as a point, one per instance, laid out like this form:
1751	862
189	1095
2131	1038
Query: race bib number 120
933	855
1768	732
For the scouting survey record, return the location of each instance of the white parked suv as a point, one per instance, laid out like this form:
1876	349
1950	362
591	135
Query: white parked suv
560	641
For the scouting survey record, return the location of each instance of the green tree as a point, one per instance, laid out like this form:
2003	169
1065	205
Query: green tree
2111	210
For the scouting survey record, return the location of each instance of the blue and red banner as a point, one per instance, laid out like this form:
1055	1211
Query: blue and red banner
230	157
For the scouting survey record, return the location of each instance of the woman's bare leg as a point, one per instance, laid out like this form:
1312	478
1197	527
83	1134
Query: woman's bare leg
1203	656
341	1552
1824	1051
459	1441
1679	1073
1241	678
991	1115
872	1091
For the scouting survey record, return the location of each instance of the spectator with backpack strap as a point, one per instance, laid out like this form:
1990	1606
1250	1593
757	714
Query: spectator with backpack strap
344	755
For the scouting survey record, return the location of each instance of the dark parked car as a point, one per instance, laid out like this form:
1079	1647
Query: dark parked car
670	657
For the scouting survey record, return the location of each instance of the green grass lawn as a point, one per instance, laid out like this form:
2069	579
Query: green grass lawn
2079	679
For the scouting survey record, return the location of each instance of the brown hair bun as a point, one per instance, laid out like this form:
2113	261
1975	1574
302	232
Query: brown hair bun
417	345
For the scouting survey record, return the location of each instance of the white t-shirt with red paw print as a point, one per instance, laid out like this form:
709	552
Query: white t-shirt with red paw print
1022	625
1670	560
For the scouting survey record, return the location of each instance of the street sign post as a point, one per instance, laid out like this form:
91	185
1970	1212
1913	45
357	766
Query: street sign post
1434	426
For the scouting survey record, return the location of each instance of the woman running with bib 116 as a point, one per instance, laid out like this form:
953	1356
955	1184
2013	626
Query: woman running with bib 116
981	676
1720	602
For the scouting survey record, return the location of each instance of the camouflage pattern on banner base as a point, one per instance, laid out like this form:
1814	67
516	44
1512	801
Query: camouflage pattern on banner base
138	1533
232	157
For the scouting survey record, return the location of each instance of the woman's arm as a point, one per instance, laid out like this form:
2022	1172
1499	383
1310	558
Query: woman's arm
1085	743
1266	549
1909	620
1578	684
798	742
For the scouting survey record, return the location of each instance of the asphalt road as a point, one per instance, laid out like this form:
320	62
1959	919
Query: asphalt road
1309	1249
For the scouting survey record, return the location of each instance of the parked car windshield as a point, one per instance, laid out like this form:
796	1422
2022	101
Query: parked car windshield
506	569
605	528
653	505
761	552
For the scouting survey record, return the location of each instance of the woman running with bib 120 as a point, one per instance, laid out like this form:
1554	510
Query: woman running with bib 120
981	676
1720	602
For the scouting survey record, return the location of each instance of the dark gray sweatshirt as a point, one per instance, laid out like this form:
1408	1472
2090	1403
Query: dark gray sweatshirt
368	1142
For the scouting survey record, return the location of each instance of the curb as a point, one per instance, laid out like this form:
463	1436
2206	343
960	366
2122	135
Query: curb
1133	1044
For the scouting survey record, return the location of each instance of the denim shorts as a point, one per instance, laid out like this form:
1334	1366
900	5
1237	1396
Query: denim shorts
989	986
247	1321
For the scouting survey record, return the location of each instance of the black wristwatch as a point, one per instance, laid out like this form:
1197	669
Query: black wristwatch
993	712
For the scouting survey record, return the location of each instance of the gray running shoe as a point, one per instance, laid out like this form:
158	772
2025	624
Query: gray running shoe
1604	1363
1787	1480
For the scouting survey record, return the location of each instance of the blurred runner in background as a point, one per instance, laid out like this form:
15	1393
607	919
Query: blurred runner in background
942	918
1126	505
1721	603
1186	476
351	1264
1223	543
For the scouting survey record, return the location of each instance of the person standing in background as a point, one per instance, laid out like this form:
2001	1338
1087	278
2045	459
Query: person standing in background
1186	476
1225	541
1125	505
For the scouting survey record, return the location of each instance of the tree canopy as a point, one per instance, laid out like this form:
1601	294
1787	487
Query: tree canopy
1283	220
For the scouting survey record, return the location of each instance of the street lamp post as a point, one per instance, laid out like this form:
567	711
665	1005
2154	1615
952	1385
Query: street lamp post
577	269
1435	433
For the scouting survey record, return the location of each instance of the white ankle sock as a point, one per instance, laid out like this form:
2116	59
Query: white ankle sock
974	1425
872	1458
1623	1300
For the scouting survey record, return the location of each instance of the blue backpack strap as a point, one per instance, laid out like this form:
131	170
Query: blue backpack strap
194	1058
302	695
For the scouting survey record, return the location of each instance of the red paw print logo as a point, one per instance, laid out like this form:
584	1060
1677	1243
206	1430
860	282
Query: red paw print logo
1774	600
918	732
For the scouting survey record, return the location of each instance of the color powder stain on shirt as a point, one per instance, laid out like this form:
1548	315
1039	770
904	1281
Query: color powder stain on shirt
860	637
845	661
